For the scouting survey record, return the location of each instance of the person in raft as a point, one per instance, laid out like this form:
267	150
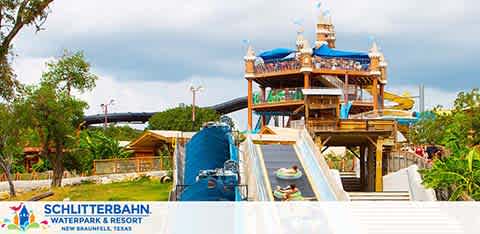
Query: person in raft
289	171
288	191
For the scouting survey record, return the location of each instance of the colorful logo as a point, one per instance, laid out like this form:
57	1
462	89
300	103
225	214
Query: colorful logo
22	220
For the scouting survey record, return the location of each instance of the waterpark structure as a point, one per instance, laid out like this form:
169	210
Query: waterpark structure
338	96
318	97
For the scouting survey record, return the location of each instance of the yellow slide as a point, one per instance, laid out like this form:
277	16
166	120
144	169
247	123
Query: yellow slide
404	102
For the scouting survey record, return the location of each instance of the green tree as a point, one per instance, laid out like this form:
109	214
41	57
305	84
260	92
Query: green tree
15	15
457	130
180	119
120	133
69	72
11	141
54	113
429	129
55	116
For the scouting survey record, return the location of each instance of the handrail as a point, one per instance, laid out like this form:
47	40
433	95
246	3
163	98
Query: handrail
398	160
315	157
255	164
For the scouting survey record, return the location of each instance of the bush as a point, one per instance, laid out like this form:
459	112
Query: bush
180	119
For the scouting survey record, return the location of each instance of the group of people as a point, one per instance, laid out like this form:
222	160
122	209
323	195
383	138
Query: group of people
339	63
293	64
428	152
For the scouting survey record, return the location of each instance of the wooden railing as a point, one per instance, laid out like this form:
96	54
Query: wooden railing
351	125
131	165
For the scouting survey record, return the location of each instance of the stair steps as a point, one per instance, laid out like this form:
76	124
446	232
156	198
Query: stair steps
379	196
350	182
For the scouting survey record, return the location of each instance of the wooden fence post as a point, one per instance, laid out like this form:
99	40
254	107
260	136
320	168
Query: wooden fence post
138	164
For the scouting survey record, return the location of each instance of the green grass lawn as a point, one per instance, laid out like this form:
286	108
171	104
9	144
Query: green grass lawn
143	189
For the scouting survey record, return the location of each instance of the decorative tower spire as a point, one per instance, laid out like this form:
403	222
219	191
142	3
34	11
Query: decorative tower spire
374	51
300	39
306	57
375	55
250	53
383	70
250	62
325	31
321	19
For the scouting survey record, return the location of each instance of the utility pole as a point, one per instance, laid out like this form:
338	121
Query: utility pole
194	91
421	92
105	106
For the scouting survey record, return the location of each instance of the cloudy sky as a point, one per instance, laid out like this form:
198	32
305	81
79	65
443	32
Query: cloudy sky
147	52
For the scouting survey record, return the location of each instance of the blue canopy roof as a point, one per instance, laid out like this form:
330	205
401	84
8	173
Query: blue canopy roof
326	51
277	53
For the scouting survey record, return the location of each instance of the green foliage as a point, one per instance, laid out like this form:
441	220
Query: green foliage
101	146
11	140
429	129
11	148
15	15
119	133
138	190
180	119
456	129
53	113
458	132
41	166
94	145
462	175
70	71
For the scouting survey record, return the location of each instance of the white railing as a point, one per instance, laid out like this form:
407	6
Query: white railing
323	178
257	177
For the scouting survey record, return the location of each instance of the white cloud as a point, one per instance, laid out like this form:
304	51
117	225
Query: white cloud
143	96
211	22
254	19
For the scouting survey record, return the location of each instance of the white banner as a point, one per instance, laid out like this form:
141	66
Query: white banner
239	218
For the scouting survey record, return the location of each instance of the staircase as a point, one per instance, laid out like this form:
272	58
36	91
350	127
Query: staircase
350	182
379	196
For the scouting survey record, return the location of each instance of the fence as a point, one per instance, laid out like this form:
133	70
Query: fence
401	159
47	175
279	95
131	165
278	66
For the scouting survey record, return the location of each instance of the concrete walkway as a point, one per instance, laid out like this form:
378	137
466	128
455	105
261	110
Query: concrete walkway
27	185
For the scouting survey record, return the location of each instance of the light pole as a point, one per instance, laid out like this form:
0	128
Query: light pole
194	91
105	106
